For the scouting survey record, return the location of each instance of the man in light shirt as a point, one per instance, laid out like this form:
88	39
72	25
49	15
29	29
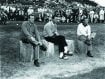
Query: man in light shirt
51	35
84	36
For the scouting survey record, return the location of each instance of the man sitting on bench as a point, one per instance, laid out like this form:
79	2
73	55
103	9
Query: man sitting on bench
51	35
84	35
30	35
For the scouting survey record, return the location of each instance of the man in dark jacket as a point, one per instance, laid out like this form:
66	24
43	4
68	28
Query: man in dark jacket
31	35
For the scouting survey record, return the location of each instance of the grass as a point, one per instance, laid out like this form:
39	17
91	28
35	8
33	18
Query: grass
91	75
9	44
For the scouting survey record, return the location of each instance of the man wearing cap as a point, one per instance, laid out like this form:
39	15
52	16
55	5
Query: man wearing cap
84	37
31	35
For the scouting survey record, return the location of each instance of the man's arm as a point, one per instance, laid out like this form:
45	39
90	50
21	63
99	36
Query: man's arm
89	32
56	32
78	30
37	35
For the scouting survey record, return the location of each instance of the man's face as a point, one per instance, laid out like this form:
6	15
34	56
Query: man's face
85	22
55	20
32	18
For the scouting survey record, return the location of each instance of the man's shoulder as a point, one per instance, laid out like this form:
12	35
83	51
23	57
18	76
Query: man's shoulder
88	25
47	24
25	22
80	24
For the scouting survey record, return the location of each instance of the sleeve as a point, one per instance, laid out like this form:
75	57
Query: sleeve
25	31
37	33
56	32
89	30
78	30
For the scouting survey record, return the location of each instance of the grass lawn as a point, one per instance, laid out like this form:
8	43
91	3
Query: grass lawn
9	46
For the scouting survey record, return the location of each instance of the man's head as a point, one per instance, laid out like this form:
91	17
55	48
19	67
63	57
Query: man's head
85	21
54	19
31	18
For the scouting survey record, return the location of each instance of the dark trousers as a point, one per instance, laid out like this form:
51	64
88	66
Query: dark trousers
57	40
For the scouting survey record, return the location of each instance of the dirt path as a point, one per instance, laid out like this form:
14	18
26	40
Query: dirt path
62	68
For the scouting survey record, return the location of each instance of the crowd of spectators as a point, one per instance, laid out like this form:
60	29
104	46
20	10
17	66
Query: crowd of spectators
68	14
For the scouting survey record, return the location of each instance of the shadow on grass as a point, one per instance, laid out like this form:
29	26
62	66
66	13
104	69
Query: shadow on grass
95	74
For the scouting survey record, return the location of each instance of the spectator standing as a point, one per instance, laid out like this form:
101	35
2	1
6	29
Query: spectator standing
96	17
3	17
30	10
67	15
104	15
25	13
16	14
75	14
63	18
21	14
80	14
101	15
91	13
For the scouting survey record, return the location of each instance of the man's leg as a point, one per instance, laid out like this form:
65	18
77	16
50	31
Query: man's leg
89	49
60	40
36	56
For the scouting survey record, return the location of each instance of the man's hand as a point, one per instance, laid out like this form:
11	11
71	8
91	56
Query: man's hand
89	37
93	34
40	43
34	41
57	33
32	38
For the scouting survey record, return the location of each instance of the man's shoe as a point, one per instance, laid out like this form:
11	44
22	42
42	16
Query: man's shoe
68	53
89	54
36	63
61	55
65	57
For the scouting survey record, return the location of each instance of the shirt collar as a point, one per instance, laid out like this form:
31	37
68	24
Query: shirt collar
30	22
84	25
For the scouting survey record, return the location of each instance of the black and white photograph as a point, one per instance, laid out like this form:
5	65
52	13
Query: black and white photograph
52	39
